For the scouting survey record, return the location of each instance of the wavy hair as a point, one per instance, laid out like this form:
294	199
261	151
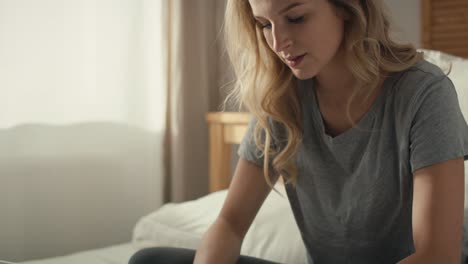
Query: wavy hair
267	88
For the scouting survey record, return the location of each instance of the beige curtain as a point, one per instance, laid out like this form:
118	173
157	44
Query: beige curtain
196	69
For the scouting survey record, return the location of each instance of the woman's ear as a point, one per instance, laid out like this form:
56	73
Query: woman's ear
343	13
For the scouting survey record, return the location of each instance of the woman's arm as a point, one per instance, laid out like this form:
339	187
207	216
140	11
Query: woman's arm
438	207
247	192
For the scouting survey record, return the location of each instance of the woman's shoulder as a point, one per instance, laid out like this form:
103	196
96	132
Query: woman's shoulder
418	78
422	86
422	72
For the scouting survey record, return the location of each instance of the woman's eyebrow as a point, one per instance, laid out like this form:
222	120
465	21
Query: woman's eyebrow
287	8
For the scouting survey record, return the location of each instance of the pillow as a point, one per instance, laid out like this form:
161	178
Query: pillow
273	235
459	77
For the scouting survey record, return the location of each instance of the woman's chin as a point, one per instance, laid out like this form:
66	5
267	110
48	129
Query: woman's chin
303	75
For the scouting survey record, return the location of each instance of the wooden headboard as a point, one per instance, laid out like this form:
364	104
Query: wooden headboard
445	26
225	130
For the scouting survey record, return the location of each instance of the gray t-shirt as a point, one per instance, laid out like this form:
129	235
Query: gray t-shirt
353	200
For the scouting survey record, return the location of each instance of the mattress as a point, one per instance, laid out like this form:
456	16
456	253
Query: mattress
116	254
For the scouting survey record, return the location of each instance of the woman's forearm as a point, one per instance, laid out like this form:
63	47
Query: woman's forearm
219	244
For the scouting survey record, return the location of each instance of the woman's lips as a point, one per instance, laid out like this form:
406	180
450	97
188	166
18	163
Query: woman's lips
296	61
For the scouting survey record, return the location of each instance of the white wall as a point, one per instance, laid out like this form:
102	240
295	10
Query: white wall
80	124
407	19
71	188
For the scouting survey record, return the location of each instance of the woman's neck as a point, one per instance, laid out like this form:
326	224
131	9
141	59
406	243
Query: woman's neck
335	82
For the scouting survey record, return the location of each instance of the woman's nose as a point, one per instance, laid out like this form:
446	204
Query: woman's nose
281	40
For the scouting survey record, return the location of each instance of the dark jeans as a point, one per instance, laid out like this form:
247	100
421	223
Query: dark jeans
170	255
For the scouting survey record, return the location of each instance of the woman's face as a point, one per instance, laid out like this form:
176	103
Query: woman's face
310	29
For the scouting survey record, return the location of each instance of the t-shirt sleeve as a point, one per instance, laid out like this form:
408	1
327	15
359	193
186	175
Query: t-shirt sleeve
438	131
248	150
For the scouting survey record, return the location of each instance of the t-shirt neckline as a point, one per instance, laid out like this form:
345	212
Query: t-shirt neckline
363	125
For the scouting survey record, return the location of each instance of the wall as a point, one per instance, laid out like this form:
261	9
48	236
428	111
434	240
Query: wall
407	19
76	187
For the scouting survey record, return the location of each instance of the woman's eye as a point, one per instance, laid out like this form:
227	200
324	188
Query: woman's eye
265	26
296	20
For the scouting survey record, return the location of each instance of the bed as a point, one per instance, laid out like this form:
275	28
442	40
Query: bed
444	28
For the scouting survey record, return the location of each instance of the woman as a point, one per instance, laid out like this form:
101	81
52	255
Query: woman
368	137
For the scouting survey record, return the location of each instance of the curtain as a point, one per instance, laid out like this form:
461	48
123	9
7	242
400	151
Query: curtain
198	71
80	61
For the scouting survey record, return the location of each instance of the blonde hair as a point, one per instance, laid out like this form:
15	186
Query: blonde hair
267	87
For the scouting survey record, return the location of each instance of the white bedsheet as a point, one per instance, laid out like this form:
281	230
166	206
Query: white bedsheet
273	234
117	254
